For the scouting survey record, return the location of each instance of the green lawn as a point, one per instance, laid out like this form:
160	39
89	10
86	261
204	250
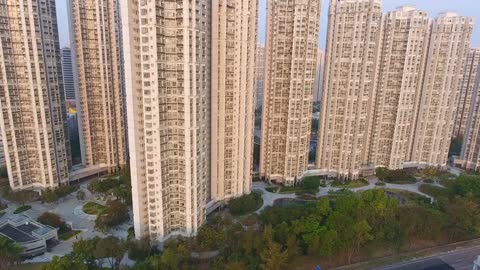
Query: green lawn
69	234
92	208
434	191
22	209
350	184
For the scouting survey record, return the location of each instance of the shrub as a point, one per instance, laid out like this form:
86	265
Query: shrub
115	213
311	184
139	250
380	183
245	204
52	195
80	195
209	238
400	177
54	220
22	209
103	185
22	196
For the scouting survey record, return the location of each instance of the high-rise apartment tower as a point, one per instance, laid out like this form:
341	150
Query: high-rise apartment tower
447	54
95	27
292	43
33	121
402	55
467	89
349	86
234	39
167	48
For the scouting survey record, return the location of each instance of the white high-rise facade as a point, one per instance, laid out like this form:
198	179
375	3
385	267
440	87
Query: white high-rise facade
190	82
467	90
234	39
96	36
32	102
349	86
403	50
448	49
167	51
292	45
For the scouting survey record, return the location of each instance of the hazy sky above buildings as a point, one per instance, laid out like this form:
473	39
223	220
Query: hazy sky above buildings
433	7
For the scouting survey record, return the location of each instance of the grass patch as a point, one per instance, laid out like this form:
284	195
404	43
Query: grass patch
245	204
436	192
69	234
22	209
351	184
92	208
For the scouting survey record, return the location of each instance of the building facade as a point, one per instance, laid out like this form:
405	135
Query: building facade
402	56
349	87
32	101
292	45
448	49
167	48
96	35
467	90
234	39
260	75
317	94
470	154
68	77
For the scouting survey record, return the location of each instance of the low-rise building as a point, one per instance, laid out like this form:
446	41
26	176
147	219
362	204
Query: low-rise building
33	237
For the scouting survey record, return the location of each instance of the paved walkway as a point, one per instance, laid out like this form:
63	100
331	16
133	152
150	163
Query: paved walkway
269	198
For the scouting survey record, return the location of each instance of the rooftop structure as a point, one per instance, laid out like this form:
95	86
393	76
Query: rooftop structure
32	236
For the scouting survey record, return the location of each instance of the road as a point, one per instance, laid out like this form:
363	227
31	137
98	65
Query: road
459	260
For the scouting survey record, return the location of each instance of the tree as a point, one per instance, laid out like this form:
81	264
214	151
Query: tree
292	247
174	255
9	253
361	232
235	266
273	257
111	249
382	173
115	213
66	262
209	237
464	220
268	234
139	250
85	250
53	220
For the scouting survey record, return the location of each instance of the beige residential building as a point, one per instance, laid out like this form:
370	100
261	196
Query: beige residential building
349	87
467	88
260	75
33	122
167	50
96	35
470	154
234	39
448	49
317	94
402	56
292	43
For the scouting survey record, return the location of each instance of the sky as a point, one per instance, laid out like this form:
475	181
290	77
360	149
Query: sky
432	7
